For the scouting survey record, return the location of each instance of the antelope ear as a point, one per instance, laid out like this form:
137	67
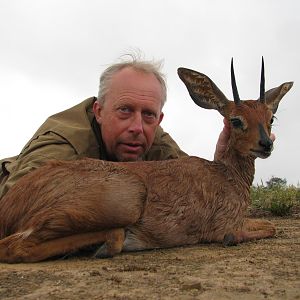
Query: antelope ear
273	96
202	90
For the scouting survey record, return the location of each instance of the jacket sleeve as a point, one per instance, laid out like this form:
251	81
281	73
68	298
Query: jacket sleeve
45	147
164	147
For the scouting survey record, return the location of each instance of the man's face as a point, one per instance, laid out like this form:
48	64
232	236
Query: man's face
130	114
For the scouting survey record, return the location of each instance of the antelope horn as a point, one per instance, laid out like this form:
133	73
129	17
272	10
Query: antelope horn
235	92
262	82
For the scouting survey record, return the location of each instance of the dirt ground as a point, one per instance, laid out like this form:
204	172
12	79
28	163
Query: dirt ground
265	269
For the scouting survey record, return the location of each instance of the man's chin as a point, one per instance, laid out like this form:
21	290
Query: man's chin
129	157
127	152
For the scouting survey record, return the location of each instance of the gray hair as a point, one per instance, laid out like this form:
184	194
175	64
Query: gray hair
152	67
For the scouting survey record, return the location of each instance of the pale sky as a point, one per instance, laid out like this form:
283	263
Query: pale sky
52	53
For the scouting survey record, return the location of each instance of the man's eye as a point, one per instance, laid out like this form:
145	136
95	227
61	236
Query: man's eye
124	109
149	114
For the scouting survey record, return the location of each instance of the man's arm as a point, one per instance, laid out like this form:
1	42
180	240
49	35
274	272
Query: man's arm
222	142
164	147
44	148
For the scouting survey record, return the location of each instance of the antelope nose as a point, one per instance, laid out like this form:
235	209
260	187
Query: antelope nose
267	144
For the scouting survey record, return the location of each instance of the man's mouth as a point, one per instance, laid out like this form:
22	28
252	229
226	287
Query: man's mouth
132	147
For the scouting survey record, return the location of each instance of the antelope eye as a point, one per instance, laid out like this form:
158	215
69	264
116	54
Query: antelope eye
237	123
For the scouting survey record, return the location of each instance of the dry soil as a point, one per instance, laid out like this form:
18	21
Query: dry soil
265	269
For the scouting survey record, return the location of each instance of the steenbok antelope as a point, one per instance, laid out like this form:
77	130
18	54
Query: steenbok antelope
67	205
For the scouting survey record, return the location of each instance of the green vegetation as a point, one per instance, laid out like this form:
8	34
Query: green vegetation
275	197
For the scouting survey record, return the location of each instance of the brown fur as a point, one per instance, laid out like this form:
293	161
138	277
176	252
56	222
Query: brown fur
67	205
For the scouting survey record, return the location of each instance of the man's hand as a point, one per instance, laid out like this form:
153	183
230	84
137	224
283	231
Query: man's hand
223	139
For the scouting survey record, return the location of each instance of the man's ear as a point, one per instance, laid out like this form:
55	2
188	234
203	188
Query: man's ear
161	116
97	108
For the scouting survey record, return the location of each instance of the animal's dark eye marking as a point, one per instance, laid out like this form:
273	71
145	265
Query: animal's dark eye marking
237	123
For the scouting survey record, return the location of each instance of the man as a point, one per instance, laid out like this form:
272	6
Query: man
122	124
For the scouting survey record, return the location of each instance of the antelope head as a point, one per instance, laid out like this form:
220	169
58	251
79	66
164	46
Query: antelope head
250	120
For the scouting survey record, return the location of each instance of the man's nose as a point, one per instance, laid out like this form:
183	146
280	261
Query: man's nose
136	125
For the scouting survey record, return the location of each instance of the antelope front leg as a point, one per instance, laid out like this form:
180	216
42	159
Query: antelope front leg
253	229
258	224
17	248
113	244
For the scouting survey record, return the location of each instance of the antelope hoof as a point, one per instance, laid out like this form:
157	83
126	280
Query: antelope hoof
113	244
103	252
229	240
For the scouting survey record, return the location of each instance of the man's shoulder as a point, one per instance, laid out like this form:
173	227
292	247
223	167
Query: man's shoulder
73	125
75	113
76	118
164	147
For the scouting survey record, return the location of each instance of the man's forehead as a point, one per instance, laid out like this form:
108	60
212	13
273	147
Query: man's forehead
133	73
129	79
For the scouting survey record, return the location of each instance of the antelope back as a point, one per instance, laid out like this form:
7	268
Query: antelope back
250	120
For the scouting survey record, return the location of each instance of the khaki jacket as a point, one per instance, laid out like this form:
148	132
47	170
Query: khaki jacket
69	135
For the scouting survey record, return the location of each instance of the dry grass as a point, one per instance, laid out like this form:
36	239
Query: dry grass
277	198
